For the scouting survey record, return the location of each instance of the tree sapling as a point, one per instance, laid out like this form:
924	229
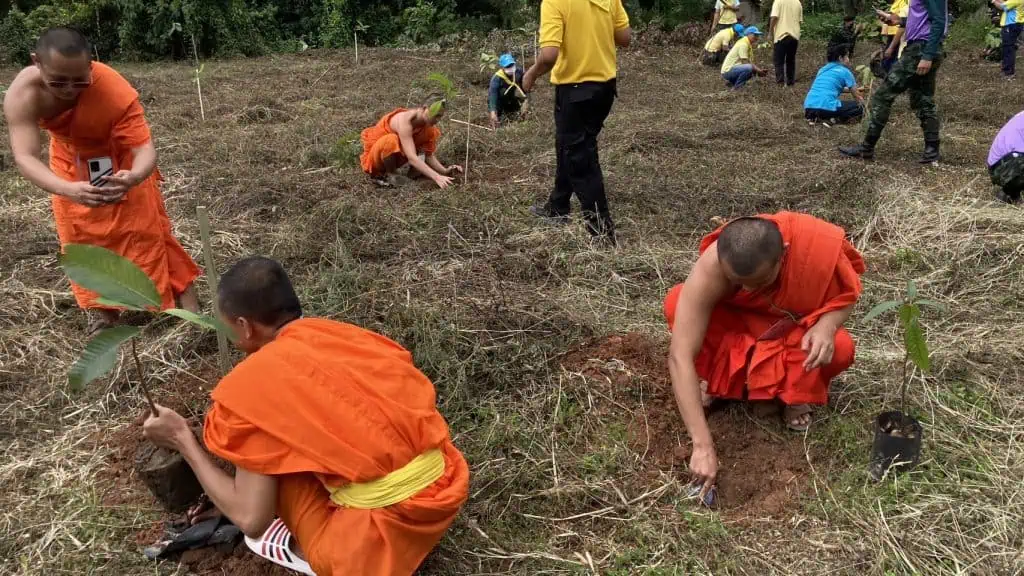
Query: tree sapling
897	443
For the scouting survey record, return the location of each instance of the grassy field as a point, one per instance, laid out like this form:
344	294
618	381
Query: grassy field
548	352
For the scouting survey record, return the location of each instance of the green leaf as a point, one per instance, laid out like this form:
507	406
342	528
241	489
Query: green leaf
917	347
911	290
436	108
113	304
115	278
932	304
909	313
201	320
99	355
881	309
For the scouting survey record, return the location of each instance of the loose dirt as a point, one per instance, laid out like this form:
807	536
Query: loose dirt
763	468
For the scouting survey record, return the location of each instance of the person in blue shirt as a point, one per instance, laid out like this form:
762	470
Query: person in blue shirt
822	103
506	99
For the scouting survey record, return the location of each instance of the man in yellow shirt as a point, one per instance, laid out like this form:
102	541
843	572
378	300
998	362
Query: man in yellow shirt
739	65
787	15
1009	27
892	33
717	47
726	15
578	40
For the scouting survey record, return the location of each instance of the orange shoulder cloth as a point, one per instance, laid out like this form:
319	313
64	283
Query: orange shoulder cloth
820	273
328	398
99	108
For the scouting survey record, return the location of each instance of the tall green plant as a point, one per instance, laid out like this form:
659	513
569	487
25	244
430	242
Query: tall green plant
120	284
914	343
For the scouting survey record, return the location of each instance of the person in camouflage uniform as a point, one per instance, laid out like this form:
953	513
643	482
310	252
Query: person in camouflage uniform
915	71
1006	160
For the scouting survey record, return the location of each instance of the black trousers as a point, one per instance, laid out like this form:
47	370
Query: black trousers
580	112
1009	35
785	60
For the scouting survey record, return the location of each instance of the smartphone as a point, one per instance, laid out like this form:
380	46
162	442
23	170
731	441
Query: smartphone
98	168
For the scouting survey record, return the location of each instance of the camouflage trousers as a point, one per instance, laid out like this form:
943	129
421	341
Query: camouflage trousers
902	78
1008	174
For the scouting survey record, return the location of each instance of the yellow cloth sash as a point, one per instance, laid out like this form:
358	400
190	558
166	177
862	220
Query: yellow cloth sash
393	488
512	83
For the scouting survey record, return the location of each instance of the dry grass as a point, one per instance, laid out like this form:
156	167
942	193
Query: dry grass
488	301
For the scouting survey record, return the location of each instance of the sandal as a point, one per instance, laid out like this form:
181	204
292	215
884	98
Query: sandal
276	546
791	414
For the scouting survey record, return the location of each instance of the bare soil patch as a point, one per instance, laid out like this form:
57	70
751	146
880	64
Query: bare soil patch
764	469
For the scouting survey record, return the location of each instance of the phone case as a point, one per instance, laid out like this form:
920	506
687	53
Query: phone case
98	168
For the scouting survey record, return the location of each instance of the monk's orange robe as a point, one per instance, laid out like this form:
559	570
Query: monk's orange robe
108	121
820	273
381	142
327	404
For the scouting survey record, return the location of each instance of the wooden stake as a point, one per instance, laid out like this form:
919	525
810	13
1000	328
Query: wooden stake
213	279
469	120
199	86
355	36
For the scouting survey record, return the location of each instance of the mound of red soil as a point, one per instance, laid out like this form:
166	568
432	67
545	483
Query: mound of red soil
763	467
238	561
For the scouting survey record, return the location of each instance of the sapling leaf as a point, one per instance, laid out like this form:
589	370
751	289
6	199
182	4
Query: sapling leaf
113	277
911	290
115	304
100	355
932	304
880	309
201	320
909	313
917	348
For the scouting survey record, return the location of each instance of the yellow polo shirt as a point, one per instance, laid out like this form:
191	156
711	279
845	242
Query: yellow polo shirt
790	14
900	8
726	16
742	50
584	33
720	40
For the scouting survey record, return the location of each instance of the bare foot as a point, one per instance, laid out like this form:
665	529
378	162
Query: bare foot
189	300
101	319
797	417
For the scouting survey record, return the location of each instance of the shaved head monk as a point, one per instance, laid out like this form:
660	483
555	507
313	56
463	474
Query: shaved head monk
102	173
331	428
400	137
760	318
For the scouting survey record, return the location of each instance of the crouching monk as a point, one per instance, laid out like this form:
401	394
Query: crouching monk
102	173
330	427
760	318
400	138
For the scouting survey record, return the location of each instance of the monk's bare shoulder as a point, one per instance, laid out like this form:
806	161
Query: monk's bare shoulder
402	122
24	96
707	282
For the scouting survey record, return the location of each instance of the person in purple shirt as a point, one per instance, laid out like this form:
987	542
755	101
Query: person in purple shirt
926	26
1006	160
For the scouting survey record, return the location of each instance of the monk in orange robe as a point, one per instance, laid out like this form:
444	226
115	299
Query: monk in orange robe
760	318
399	138
102	174
330	427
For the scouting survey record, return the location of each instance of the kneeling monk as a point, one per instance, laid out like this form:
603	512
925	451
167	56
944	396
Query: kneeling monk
330	427
102	175
399	138
760	318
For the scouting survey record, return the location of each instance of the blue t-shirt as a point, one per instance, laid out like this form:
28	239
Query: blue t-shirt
830	82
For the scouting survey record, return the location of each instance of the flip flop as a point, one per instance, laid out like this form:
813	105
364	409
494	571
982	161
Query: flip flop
179	538
275	545
790	413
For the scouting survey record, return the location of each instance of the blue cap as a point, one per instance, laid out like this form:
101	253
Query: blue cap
738	29
752	30
506	60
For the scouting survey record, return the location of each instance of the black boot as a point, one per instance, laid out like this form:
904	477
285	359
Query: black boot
931	153
862	151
